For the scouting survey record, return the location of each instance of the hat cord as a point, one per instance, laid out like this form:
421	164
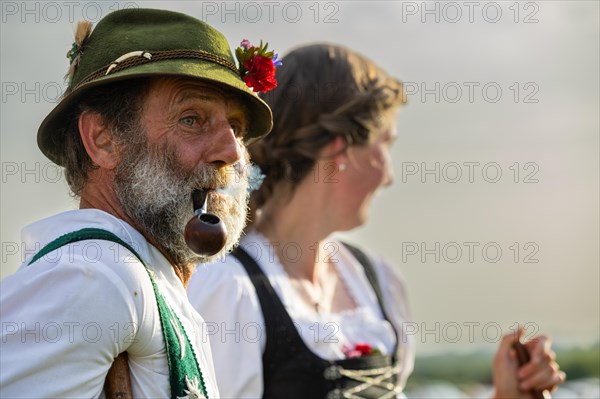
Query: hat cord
158	56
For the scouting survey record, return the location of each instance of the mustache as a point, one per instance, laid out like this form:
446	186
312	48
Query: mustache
226	180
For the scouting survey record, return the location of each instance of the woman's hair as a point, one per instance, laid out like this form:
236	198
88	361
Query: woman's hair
324	91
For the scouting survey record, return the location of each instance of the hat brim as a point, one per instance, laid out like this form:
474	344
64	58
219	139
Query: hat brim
52	129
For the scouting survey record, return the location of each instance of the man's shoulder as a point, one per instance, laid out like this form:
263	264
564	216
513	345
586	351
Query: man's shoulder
82	233
81	242
85	265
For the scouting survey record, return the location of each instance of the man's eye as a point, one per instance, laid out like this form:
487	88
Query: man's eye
237	128
188	120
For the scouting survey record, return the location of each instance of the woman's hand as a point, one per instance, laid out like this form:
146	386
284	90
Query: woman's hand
541	373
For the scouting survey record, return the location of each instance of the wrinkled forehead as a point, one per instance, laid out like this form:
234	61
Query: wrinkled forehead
179	90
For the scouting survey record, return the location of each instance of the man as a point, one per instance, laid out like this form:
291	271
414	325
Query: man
155	109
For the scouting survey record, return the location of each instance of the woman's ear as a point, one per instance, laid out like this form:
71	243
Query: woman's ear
97	139
335	148
339	146
341	154
336	152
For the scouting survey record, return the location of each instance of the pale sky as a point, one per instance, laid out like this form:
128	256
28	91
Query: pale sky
494	215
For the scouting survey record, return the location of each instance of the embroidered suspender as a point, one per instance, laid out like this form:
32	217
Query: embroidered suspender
185	375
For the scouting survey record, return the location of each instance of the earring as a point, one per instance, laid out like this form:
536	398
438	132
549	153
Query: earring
342	167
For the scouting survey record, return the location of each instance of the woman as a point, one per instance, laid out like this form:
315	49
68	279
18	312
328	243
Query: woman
295	313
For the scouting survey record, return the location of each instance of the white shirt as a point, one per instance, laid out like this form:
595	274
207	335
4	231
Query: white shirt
68	315
225	297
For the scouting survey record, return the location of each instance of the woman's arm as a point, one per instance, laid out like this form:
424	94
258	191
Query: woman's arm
225	298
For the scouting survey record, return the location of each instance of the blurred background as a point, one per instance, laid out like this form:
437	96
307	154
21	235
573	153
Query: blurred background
493	219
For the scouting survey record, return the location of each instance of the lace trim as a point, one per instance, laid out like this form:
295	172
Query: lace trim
367	378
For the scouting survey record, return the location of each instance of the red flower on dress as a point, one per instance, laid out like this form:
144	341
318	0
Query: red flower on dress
364	349
359	350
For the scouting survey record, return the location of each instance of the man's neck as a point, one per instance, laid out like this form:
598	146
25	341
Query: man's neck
105	200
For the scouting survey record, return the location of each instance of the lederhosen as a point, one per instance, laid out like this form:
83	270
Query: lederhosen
185	376
292	371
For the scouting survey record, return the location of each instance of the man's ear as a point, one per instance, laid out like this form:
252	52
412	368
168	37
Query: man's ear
98	140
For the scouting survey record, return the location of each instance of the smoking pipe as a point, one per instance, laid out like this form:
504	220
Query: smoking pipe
204	234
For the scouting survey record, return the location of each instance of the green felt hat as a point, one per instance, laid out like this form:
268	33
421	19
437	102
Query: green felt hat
133	43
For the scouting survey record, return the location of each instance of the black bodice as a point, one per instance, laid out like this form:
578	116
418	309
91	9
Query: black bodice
292	371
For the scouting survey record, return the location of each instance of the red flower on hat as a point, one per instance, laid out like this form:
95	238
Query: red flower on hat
257	66
261	74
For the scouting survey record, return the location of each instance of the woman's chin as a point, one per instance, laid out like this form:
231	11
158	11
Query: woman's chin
354	221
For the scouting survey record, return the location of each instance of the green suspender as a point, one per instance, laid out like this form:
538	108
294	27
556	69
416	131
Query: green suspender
184	372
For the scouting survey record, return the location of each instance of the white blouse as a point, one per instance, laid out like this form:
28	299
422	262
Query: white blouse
225	297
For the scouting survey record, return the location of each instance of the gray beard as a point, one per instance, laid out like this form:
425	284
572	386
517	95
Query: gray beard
155	191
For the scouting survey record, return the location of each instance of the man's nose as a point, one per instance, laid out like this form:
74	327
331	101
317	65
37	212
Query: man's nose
226	146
